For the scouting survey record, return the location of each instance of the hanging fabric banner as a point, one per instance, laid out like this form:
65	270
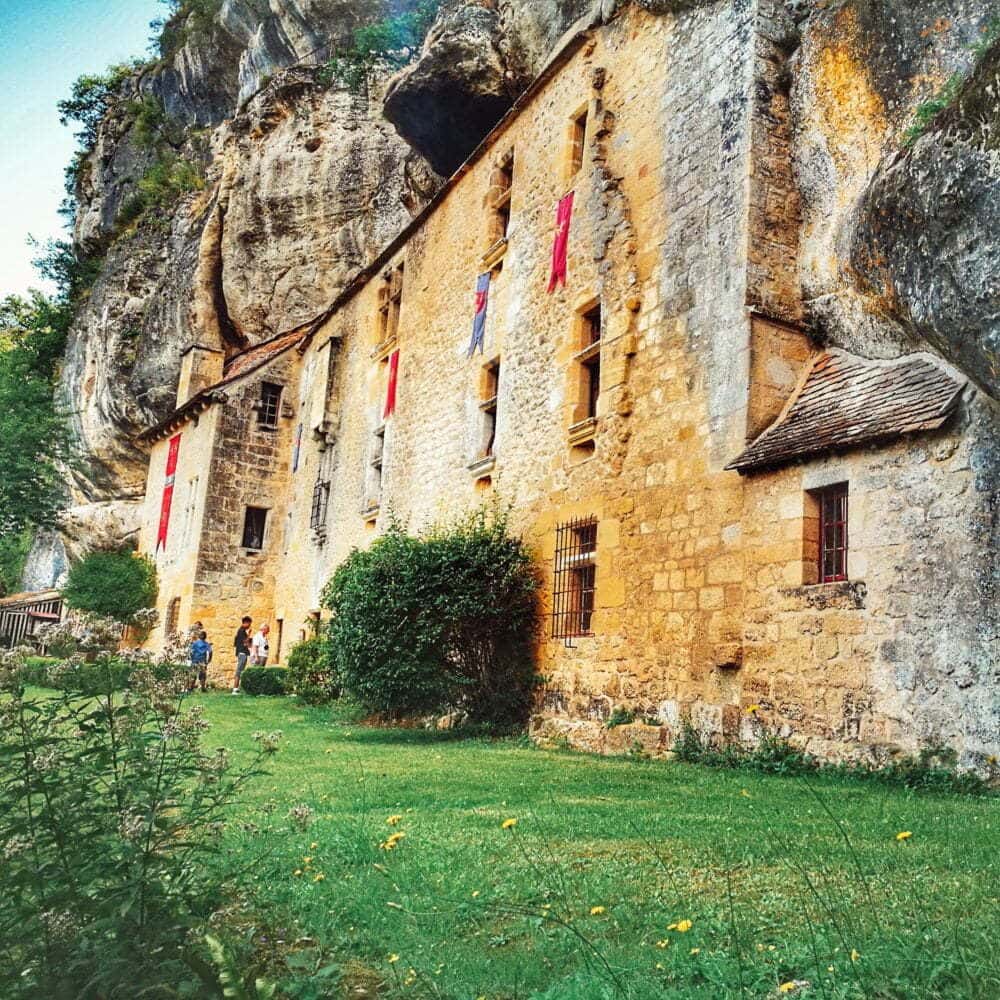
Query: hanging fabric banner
564	216
390	396
168	491
298	449
479	323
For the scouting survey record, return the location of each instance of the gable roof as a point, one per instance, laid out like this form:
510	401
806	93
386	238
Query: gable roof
238	366
845	401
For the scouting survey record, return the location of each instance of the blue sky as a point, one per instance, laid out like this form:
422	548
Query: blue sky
44	46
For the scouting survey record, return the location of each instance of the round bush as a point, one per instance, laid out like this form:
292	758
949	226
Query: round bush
438	623
264	681
112	584
310	672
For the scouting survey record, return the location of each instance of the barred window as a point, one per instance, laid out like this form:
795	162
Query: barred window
270	405
832	533
575	580
320	505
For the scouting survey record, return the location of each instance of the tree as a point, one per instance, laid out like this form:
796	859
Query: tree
443	622
112	584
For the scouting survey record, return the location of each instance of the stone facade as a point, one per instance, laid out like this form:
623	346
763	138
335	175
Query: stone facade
685	233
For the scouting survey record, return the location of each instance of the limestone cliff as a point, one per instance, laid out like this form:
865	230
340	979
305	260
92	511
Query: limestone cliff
304	181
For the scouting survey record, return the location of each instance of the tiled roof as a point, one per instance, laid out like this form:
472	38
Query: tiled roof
846	401
236	367
29	597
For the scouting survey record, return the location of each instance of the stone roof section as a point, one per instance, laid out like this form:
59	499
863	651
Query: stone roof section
845	401
238	366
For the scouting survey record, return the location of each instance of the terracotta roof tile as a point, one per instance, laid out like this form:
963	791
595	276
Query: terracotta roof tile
846	401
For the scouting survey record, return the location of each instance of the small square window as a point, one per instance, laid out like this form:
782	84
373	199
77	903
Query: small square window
270	405
254	526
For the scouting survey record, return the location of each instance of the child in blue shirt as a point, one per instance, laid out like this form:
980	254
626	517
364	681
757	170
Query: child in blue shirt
201	656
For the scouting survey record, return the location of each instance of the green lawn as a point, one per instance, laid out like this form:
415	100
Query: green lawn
782	879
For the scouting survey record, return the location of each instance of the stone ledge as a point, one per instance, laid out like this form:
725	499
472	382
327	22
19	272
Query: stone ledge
848	594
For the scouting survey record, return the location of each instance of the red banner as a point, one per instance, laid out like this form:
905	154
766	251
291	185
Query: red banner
564	216
390	396
168	491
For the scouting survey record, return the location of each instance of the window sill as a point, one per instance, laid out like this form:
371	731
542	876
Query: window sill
588	353
381	351
371	512
251	552
496	253
483	465
583	431
847	594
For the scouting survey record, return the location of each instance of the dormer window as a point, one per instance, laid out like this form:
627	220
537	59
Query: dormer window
270	405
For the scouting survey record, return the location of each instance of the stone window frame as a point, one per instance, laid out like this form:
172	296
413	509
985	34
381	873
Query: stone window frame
390	305
375	474
499	199
269	405
574	582
576	141
585	376
264	525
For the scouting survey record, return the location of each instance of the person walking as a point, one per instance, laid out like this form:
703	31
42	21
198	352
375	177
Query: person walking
242	646
259	648
201	657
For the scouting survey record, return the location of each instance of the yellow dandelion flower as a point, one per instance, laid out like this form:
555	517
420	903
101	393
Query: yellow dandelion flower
745	793
904	835
312	847
788	987
829	968
683	926
696	951
320	878
855	954
307	861
507	824
393	820
596	911
659	965
475	893
393	958
663	943
297	872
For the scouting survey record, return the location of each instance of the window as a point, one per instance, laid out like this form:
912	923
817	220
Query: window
488	406
254	525
590	362
270	405
501	187
575	582
390	302
173	617
320	505
190	509
832	533
375	470
577	141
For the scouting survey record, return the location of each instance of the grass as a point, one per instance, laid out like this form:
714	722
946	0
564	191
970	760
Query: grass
783	879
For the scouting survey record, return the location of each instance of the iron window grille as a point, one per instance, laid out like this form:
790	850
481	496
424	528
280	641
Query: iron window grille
270	405
320	505
575	582
833	542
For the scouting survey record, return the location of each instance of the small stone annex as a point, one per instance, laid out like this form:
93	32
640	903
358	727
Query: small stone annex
728	511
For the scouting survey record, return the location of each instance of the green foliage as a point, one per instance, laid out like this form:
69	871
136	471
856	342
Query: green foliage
186	21
14	550
73	274
168	178
934	769
90	98
311	673
116	585
151	126
259	681
620	717
110	810
446	621
392	42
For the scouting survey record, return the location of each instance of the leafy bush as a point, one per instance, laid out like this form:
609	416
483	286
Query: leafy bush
109	811
392	42
439	623
167	179
310	672
114	584
264	680
90	99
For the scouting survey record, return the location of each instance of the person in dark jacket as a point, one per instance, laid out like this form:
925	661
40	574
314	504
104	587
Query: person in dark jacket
242	645
201	657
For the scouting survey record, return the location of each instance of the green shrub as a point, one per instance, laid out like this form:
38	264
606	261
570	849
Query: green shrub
110	810
111	584
439	623
310	672
264	681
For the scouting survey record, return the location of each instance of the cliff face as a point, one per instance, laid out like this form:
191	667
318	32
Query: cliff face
304	182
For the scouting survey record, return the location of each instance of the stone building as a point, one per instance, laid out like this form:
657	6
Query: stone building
727	512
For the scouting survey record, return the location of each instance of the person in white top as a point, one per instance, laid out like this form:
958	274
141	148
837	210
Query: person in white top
259	647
